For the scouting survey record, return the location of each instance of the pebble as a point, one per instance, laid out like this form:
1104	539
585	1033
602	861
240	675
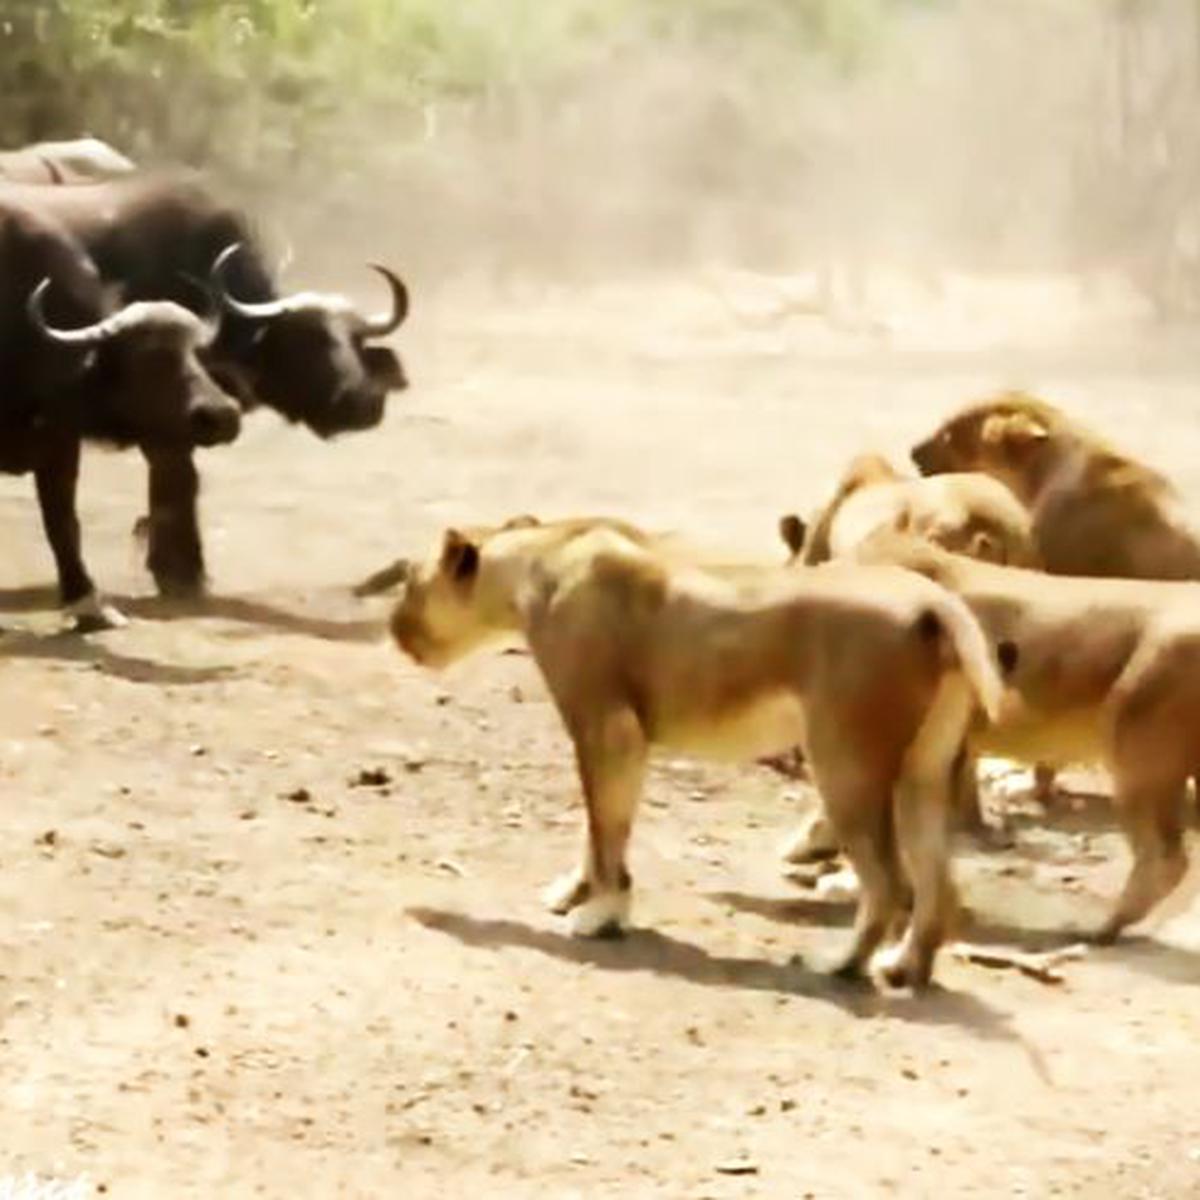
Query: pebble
737	1166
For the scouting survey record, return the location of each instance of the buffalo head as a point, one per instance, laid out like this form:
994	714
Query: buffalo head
310	357
145	383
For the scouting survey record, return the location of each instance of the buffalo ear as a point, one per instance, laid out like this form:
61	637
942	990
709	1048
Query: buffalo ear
792	530
460	556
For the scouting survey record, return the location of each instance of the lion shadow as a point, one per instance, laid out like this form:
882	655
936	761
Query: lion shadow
1141	952
657	953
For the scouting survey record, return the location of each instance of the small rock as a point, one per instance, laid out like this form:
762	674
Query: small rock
247	814
737	1166
786	1105
182	1020
698	796
197	751
908	1073
201	1051
516	695
300	795
108	850
49	838
371	777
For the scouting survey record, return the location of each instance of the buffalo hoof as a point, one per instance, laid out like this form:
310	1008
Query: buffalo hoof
94	615
179	587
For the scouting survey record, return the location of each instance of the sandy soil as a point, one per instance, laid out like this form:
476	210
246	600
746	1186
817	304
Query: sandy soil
232	964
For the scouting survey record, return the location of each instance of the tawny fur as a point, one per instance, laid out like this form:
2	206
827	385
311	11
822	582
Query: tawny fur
875	670
1108	673
967	512
1094	510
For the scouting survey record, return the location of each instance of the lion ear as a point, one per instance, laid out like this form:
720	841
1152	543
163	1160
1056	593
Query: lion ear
524	521
1018	430
460	556
792	530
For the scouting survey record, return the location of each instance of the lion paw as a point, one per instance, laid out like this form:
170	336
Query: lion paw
902	967
812	842
566	892
604	915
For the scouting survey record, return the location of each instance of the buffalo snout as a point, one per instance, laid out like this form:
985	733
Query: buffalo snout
384	368
214	423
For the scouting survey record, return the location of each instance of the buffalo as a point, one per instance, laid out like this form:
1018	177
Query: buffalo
81	160
73	370
312	357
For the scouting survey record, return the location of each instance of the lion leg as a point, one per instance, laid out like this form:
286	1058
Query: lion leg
611	753
967	804
922	813
814	841
923	834
1043	783
1151	816
860	812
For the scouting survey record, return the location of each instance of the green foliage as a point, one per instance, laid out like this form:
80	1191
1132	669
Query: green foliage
248	83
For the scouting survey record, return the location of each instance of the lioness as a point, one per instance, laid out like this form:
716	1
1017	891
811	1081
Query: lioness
1109	672
876	671
1095	511
967	512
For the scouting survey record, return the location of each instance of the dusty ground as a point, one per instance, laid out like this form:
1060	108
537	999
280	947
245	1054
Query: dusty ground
226	969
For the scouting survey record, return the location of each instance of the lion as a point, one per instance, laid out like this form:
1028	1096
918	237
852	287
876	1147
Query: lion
1094	510
967	512
1109	673
875	670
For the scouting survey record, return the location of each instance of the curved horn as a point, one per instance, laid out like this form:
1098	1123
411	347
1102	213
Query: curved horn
260	311
87	335
382	324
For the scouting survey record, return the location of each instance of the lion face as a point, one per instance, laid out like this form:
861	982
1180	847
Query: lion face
439	617
1001	438
457	600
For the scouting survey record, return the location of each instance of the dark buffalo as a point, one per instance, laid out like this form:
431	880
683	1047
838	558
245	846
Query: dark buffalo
82	160
72	370
308	356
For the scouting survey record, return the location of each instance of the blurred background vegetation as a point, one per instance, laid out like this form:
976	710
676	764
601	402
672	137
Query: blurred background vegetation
249	84
553	135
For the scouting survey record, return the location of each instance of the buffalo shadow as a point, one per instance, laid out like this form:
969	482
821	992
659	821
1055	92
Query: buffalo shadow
67	646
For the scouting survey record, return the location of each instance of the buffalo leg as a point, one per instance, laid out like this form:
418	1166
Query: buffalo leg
175	557
57	477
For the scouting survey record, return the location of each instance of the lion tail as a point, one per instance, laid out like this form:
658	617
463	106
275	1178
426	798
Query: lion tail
963	644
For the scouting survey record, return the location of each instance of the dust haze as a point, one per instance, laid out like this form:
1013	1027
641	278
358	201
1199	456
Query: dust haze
1023	136
268	908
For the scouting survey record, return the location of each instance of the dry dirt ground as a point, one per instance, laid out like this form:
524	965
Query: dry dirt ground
232	964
